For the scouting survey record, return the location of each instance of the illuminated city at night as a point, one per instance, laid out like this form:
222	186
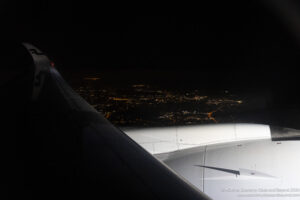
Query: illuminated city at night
110	101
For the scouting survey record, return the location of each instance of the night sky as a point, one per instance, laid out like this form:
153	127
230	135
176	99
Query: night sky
245	44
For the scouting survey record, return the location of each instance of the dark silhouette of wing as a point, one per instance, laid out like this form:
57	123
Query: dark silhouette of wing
66	149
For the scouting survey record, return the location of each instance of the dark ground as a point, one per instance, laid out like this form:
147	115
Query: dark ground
166	98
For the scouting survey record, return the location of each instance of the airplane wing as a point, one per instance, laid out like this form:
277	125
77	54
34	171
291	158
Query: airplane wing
229	161
66	149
